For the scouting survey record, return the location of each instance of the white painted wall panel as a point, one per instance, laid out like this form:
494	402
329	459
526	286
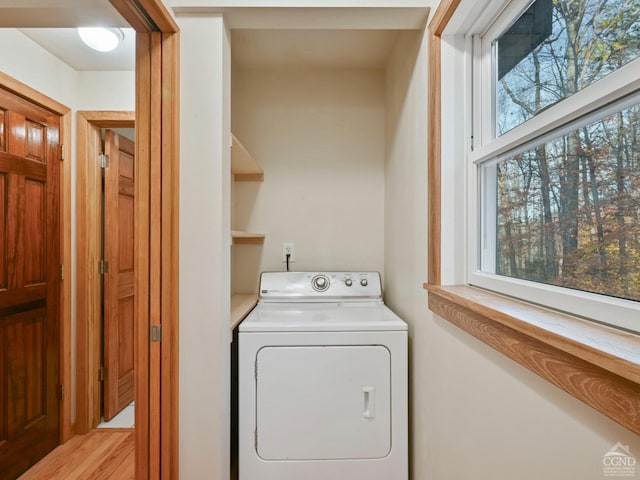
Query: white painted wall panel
319	135
405	254
106	90
204	248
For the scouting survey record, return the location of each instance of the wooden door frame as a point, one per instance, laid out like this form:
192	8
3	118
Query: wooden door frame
88	248
156	231
64	321
157	197
157	205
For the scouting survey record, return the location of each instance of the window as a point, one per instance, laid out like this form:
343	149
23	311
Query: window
556	160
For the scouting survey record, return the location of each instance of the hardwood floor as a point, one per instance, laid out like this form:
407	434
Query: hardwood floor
104	454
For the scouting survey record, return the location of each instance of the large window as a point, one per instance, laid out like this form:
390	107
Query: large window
557	48
557	157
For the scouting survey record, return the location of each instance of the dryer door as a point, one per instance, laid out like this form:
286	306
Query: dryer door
323	402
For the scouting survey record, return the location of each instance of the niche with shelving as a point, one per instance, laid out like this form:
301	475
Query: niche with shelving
244	168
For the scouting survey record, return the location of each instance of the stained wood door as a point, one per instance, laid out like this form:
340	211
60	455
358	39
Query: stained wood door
29	283
119	279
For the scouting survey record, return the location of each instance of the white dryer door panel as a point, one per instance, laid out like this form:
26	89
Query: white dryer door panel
323	402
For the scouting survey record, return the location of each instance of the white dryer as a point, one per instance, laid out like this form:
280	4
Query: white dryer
322	381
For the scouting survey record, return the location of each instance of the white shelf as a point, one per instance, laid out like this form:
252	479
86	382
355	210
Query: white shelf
243	166
241	305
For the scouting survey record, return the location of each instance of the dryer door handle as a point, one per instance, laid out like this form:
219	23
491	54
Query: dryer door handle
369	402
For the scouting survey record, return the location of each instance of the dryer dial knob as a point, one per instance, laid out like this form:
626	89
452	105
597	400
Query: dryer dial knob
364	282
348	282
320	283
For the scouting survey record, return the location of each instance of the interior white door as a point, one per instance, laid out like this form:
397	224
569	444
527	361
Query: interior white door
323	402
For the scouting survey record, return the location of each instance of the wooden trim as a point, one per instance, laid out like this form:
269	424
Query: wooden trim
134	16
442	15
88	247
156	10
439	21
560	349
156	139
613	350
146	15
66	374
25	91
155	251
434	207
109	118
170	261
85	256
143	224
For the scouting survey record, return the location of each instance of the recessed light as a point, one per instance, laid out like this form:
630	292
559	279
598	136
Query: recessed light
101	39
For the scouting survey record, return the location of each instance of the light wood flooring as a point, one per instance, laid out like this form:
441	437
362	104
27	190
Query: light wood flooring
105	454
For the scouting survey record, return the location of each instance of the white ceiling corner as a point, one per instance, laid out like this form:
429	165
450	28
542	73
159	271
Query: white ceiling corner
65	44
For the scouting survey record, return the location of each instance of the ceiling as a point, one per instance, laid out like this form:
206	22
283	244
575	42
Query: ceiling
49	23
312	48
322	48
59	13
250	48
65	44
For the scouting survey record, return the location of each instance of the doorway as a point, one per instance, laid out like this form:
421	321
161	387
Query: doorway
106	272
118	277
157	209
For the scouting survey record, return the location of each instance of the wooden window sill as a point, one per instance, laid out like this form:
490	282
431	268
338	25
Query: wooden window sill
597	364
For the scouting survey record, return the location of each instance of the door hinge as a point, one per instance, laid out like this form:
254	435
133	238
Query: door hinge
61	151
104	160
61	272
102	374
60	391
103	267
156	333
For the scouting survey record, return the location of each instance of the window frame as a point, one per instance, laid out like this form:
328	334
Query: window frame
592	102
559	348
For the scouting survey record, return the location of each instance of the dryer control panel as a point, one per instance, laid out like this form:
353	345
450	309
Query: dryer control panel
320	286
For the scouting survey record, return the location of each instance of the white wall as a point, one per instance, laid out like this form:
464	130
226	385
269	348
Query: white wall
106	90
204	248
319	135
490	419
405	252
476	415
28	62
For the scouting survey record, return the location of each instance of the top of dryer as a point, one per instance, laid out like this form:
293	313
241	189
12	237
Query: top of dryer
319	286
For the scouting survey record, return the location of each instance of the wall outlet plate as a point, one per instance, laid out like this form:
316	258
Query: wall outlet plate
288	248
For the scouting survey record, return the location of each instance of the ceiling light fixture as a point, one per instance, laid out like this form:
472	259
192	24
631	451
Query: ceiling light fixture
101	39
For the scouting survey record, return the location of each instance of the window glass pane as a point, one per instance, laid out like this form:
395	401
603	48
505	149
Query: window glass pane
568	210
558	47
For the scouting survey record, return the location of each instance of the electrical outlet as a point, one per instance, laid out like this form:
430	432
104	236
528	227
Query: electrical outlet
290	249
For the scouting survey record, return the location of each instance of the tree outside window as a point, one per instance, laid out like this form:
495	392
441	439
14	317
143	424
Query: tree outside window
568	207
